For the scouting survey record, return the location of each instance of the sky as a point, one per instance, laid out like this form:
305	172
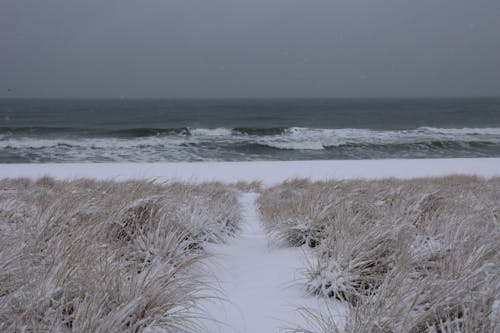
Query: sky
249	48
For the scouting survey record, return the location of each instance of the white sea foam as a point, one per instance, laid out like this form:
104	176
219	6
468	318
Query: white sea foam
337	137
210	131
291	138
317	139
94	143
462	131
227	144
305	145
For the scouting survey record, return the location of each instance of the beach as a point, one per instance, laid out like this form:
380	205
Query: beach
266	172
257	285
249	167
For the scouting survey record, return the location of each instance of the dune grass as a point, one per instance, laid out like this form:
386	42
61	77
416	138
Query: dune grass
104	256
419	255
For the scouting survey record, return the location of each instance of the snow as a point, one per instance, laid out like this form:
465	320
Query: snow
260	284
267	172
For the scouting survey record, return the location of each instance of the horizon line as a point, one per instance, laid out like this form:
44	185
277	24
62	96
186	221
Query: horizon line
249	98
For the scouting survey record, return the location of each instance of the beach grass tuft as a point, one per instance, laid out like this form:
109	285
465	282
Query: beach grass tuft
419	255
104	256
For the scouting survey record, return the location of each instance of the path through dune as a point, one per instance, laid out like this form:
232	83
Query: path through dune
260	283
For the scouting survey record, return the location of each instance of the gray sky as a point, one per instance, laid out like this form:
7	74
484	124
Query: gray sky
249	48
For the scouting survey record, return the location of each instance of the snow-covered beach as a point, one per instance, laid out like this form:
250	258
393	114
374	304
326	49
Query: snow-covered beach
267	172
250	303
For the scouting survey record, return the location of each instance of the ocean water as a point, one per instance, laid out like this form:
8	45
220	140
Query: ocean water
38	131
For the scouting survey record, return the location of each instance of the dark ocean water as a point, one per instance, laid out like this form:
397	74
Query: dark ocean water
37	131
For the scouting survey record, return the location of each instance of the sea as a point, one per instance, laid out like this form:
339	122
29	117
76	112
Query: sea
157	130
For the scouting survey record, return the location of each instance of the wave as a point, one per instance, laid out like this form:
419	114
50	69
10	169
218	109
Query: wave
94	132
305	145
461	131
90	143
259	131
136	132
210	132
317	138
145	132
291	138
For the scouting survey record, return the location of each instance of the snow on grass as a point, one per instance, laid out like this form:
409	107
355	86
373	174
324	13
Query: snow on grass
102	256
418	255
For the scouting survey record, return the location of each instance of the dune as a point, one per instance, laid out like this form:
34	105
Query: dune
259	287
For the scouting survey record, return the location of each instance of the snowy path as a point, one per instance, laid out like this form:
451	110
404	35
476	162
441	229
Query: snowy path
259	283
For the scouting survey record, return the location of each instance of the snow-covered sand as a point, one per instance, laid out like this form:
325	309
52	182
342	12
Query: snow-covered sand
260	284
267	172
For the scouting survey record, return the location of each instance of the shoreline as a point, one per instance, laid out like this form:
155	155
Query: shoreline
267	172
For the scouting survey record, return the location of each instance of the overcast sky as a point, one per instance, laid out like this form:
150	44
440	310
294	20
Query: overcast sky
249	48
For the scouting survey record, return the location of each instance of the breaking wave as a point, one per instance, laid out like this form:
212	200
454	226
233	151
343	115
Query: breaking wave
158	144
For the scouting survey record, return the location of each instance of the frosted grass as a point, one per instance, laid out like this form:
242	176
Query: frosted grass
417	255
104	256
